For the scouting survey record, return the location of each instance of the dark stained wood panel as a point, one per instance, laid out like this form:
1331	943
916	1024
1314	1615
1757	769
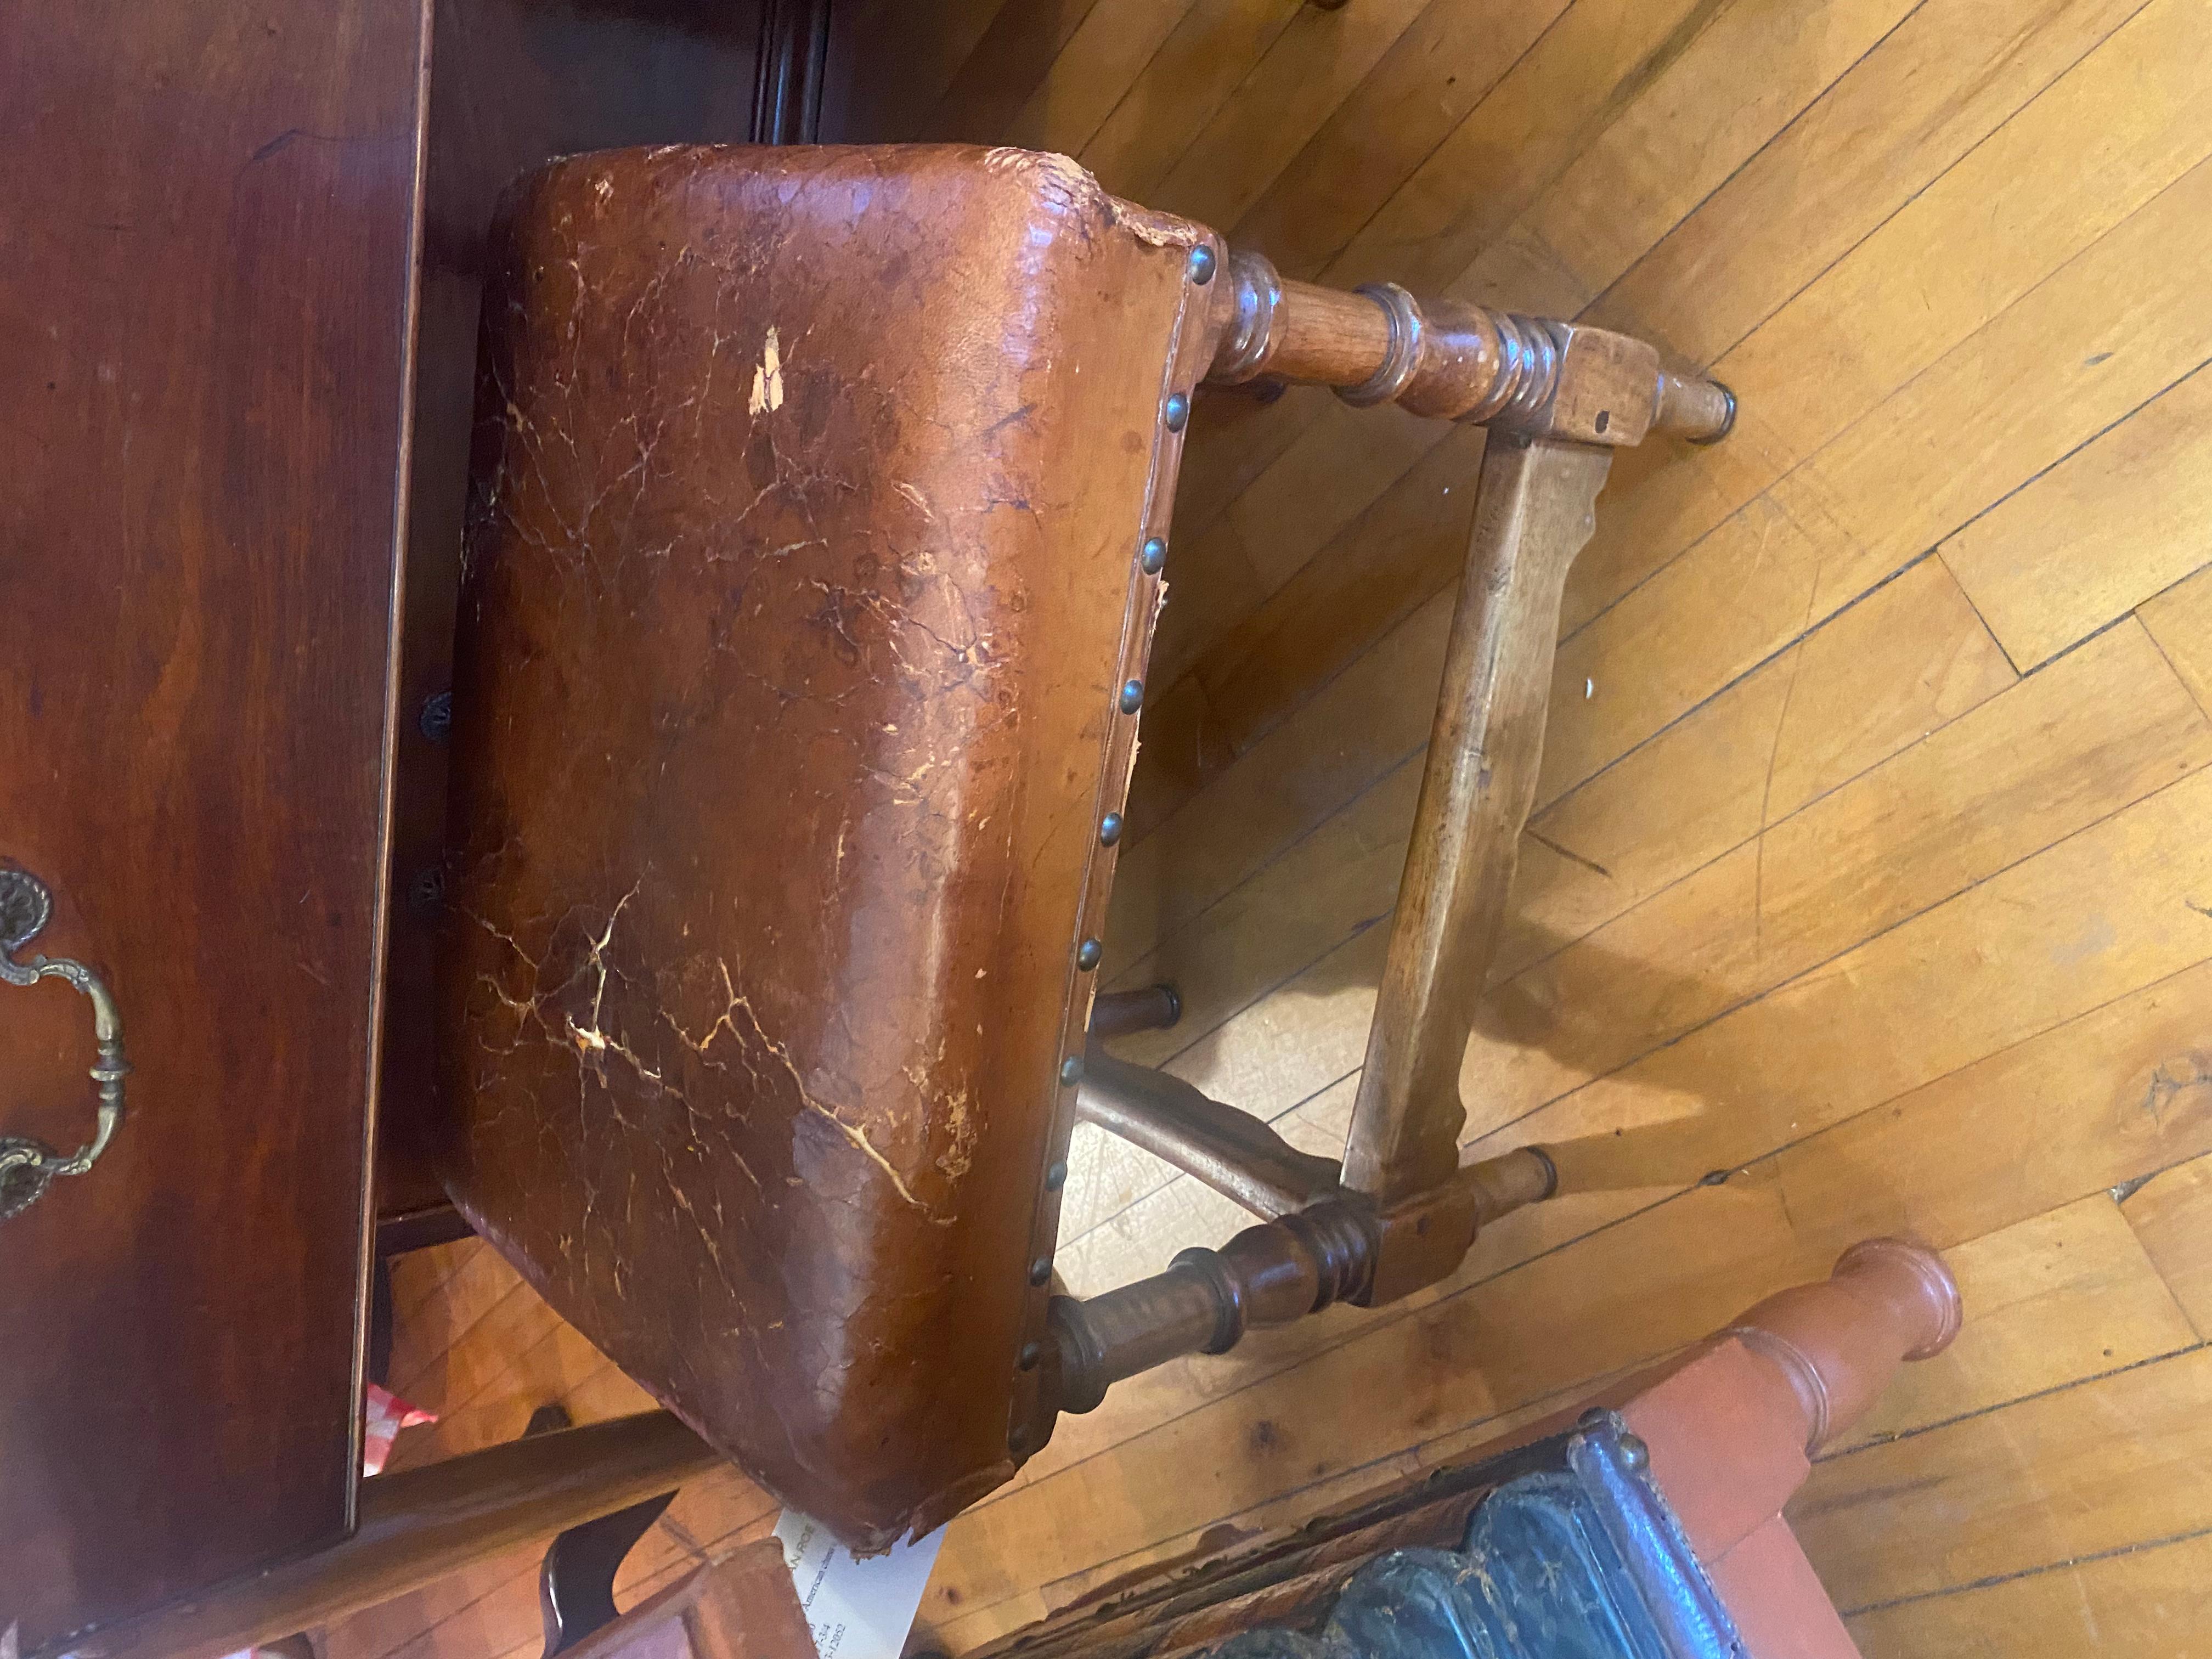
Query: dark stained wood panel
209	219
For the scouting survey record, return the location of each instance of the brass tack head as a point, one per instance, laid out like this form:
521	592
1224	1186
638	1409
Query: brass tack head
1177	411
1031	1353
1041	1271
1155	554
436	720
1635	1453
1109	829
1132	697
1071	1070
1055	1176
1017	1439
1201	264
1088	953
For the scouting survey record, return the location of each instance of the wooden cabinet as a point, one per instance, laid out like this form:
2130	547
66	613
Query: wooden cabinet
210	218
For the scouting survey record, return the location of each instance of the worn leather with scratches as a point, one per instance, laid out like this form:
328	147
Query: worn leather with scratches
800	576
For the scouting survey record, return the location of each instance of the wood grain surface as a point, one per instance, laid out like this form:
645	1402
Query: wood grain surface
212	224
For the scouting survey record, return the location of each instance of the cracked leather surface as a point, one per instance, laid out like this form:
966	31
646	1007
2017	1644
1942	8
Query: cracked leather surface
807	488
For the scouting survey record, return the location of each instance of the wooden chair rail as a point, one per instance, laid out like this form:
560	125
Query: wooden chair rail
1231	1151
418	1526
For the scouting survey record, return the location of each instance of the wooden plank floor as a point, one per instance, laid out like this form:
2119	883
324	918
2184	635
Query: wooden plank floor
1868	886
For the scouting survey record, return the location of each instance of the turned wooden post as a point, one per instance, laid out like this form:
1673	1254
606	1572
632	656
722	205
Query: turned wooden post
1303	1261
1457	362
1837	1343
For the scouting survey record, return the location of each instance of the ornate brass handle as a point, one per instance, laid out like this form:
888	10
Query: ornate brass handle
27	1167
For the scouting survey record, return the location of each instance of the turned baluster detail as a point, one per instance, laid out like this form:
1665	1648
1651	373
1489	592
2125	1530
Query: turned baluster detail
1271	1274
1839	1343
1457	362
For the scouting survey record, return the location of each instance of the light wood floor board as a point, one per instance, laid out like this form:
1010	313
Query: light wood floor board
2116	522
2145	1601
1438	71
2081	1470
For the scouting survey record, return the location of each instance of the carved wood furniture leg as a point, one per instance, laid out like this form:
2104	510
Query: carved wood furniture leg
419	1525
1732	1425
1460	363
1837	1344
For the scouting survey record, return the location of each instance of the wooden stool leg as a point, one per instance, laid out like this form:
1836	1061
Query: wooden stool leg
1535	512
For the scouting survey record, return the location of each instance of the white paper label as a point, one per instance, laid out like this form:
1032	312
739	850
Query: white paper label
857	1608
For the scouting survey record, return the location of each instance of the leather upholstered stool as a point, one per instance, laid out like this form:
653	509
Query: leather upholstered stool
819	511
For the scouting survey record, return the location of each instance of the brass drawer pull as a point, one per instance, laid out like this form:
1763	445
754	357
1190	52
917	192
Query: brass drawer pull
28	1167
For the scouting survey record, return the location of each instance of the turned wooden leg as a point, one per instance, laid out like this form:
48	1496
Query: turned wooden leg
1459	362
1730	1427
1839	1342
1303	1261
1733	1423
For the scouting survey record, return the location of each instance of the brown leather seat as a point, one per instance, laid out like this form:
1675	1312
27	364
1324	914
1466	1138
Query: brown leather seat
804	572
